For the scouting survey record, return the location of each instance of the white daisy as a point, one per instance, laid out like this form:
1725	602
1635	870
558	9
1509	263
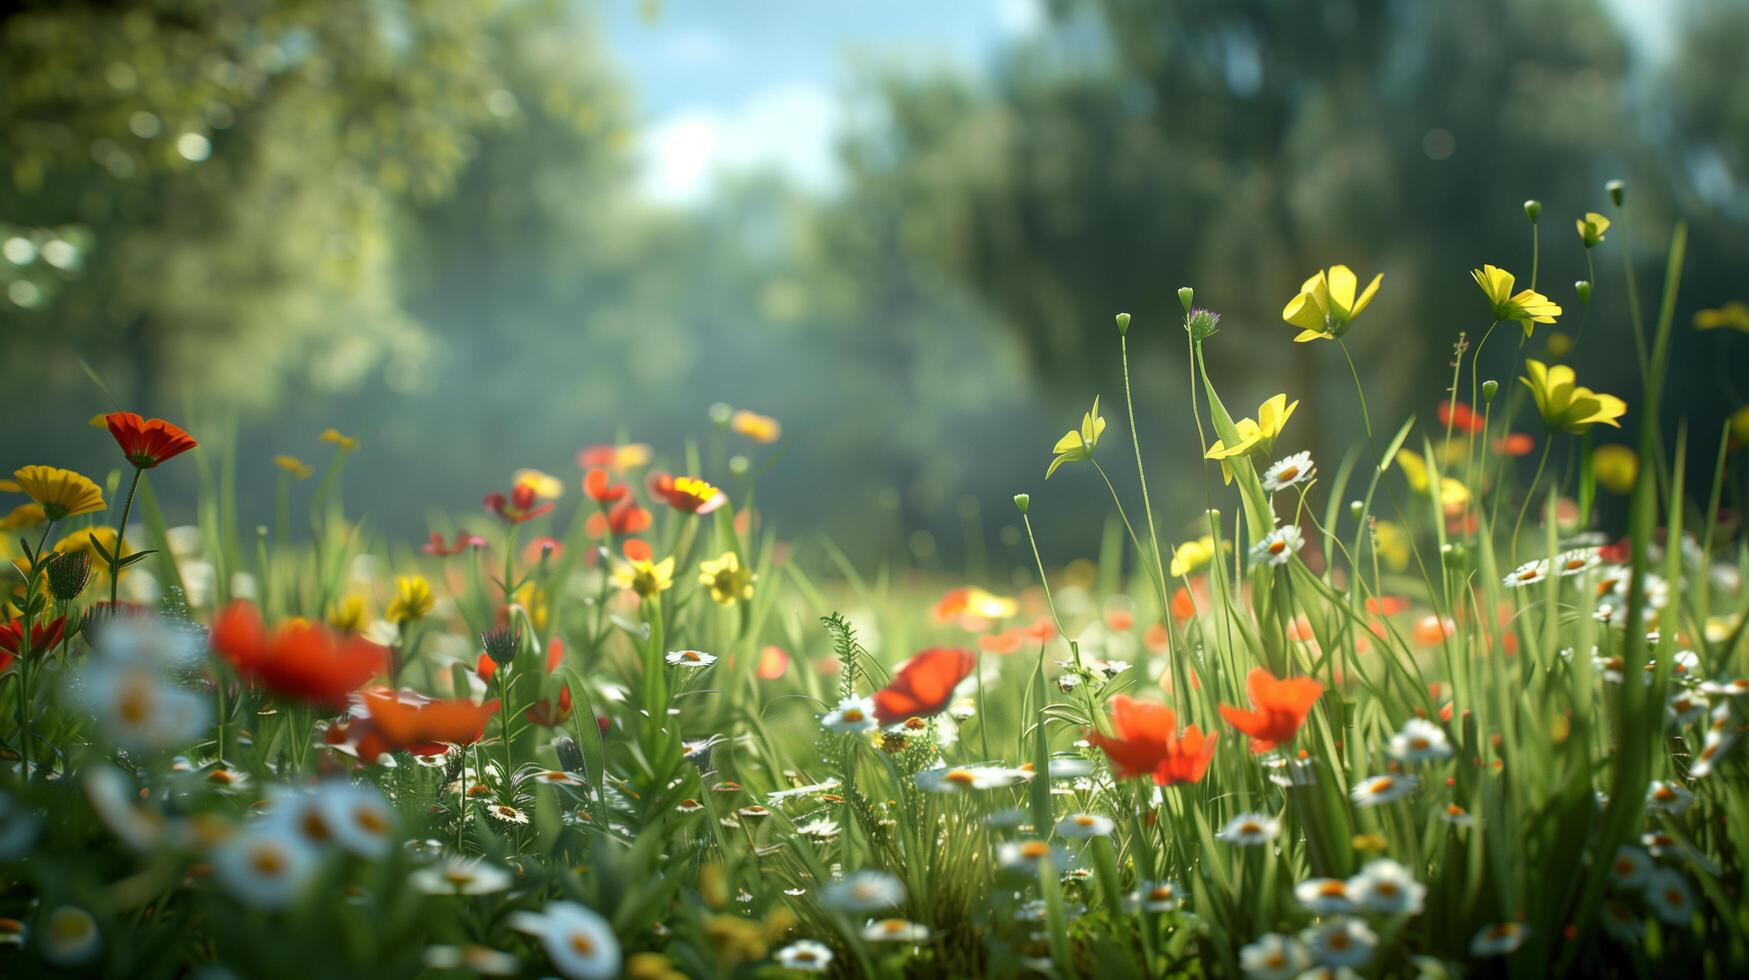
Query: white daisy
1713	748
1668	895
805	955
1529	573
864	891
1274	957
852	716
1278	545
116	801
1159	896
1375	790
812	789
1387	888
1293	470
1685	708
1727	689
696	659
1577	561
479	959
580	943
507	813
1082	826
1665	797
263	866
460	876
1068	767
70	937
1499	939
359	818
1024	855
895	931
1341	941
1622	923
960	779
1324	896
1457	816
1420	741
689	805
1248	829
137	707
820	829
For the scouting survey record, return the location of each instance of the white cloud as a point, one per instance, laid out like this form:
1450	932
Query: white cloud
788	128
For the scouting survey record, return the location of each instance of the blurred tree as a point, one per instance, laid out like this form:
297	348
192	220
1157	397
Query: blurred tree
223	179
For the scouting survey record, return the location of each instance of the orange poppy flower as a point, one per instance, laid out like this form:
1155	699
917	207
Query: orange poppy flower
616	458
1280	708
486	668
1461	417
599	485
1005	642
147	442
1386	605
520	506
1515	444
1157	639
687	494
637	549
925	685
463	541
550	714
413	723
773	663
1041	630
625	517
1148	743
300	660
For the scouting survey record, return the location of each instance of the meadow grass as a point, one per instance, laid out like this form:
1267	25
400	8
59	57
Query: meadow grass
1409	715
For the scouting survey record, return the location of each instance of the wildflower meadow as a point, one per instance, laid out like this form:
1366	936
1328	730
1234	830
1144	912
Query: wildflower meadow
1463	700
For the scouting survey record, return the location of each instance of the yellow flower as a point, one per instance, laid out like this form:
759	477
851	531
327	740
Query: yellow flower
535	602
23	516
80	540
1591	228
335	436
645	577
1453	495
1078	444
1740	424
1615	467
1255	435
10	486
1192	555
1566	406
62	493
545	485
726	579
413	599
759	428
1392	544
350	614
295	466
1326	304
1527	306
1734	315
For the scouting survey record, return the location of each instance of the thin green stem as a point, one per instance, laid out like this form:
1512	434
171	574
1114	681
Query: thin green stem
1531	493
121	530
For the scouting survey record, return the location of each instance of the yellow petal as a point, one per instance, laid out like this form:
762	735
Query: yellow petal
1342	283
1366	297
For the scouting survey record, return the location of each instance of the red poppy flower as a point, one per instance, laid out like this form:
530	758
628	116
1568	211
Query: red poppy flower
555	654
463	541
1515	444
687	494
1148	743
1280	707
1386	605
522	504
924	686
147	442
599	485
547	714
1157	638
1005	642
486	667
300	660
637	549
43	636
1460	417
1041	630
625	517
1619	553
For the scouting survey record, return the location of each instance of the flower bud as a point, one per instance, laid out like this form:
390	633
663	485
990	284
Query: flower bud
1123	324
501	644
68	574
1186	296
1617	190
1202	324
721	412
1489	389
1533	210
1022	501
570	756
1355	507
739	465
1583	288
